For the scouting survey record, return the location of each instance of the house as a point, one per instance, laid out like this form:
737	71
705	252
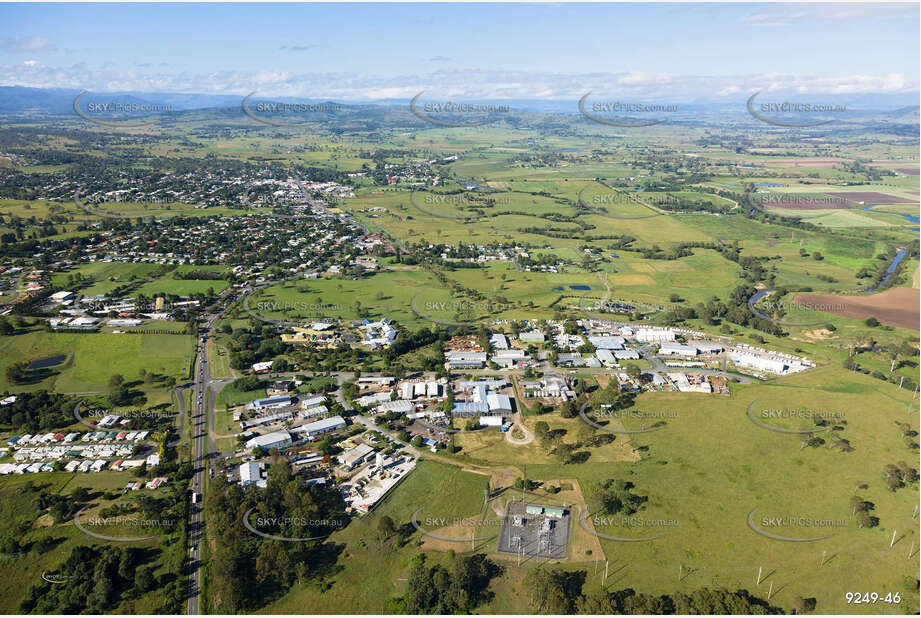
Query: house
276	439
282	387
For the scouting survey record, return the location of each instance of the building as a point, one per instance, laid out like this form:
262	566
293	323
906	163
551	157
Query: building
490	421
371	400
534	336
263	367
510	358
276	439
251	473
499	404
320	427
604	342
470	408
272	403
651	335
261	421
61	297
282	387
400	406
463	359
668	348
355	456
498	341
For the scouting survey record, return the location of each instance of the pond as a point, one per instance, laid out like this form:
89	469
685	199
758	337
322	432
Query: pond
44	363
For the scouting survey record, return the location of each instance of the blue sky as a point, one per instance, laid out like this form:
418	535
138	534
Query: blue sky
552	51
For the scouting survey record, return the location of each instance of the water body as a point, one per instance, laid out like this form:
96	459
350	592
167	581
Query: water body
580	287
911	218
899	256
570	150
766	184
43	363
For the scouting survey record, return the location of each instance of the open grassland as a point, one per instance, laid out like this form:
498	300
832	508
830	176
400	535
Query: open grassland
699	528
92	358
371	572
21	518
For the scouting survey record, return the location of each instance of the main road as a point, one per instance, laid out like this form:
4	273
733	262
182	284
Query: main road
200	453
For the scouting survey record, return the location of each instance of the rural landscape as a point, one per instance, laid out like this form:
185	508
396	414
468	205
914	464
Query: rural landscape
578	333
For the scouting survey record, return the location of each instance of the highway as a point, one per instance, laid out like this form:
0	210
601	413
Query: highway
200	456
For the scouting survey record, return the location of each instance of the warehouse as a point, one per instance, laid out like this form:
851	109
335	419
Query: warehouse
271	403
323	426
676	349
276	439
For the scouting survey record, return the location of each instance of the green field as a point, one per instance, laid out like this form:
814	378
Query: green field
92	358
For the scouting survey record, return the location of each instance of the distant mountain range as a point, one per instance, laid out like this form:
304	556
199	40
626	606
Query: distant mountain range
20	100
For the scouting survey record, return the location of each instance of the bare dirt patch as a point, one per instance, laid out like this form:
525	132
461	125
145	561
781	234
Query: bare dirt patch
896	307
872	196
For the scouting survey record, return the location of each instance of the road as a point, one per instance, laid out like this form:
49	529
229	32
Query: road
200	456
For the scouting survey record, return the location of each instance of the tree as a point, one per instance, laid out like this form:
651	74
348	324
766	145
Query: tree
116	380
871	322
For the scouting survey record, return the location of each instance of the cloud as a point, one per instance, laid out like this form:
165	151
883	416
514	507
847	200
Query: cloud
456	84
788	15
26	45
298	48
439	59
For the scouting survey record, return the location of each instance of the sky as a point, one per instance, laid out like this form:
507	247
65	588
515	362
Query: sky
363	52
